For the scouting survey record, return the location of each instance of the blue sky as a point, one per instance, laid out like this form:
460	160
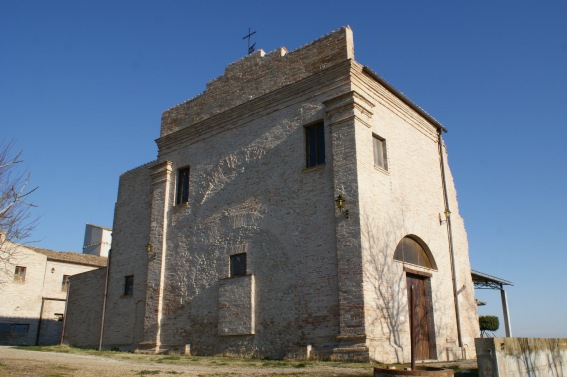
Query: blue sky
83	85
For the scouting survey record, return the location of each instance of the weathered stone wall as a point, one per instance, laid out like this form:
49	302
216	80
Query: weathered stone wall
519	357
84	309
236	306
406	199
250	192
124	329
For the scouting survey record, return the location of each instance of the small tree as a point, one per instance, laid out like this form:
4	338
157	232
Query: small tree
488	323
16	221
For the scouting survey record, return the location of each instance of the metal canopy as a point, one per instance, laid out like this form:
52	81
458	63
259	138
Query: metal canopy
485	281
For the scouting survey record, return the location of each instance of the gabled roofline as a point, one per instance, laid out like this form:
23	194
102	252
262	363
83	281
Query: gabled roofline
402	97
71	257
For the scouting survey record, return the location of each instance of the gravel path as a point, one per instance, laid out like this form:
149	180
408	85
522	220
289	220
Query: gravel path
20	363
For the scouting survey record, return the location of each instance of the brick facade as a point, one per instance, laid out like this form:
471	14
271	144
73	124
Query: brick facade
314	277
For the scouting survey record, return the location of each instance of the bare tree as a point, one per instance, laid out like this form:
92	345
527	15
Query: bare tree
16	220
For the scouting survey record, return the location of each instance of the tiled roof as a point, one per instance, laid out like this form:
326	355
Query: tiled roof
71	257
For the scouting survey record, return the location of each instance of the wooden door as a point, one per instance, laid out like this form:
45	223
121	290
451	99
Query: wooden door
420	330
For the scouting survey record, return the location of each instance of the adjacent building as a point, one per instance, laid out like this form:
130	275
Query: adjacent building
34	289
300	206
97	240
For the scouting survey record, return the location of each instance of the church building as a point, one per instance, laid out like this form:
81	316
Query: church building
300	206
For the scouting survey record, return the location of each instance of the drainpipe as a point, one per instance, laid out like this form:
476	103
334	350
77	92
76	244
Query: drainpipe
450	237
104	301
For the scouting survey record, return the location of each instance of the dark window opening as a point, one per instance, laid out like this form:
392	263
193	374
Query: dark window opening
20	274
182	195
380	157
238	265
128	285
315	144
65	283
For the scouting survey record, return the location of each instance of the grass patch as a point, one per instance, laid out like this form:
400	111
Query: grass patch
67	349
61	349
168	359
275	363
171	358
148	372
300	365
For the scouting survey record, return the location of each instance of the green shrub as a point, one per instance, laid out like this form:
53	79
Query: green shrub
488	323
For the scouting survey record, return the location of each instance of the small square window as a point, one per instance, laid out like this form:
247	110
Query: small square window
238	265
20	274
128	285
315	145
380	157
65	283
182	195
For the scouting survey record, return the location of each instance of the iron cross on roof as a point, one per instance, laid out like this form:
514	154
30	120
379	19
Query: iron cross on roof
250	48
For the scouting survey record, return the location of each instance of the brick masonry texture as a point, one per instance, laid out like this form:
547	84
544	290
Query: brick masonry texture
84	309
314	277
236	306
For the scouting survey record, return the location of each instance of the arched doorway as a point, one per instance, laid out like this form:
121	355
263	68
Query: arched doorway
412	250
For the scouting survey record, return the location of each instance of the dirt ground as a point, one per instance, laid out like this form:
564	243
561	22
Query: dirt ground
20	363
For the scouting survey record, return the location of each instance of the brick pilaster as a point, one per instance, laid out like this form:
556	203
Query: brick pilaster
345	113
161	176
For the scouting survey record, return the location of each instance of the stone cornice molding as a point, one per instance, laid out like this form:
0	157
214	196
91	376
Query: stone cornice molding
161	171
349	107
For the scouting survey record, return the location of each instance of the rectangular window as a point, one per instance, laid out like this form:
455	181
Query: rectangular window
315	144
182	195
5	328
20	274
128	285
65	283
19	328
380	152
238	265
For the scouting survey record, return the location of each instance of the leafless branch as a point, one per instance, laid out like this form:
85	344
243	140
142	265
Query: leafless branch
16	220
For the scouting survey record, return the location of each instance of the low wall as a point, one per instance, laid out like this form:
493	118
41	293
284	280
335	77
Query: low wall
521	357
